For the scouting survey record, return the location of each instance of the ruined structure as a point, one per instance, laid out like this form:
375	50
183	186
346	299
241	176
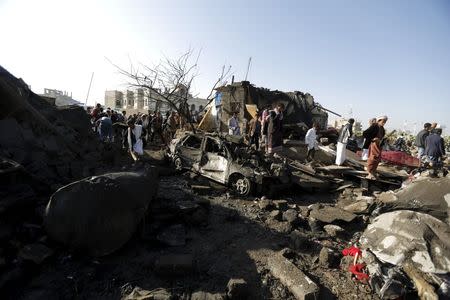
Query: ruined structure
300	108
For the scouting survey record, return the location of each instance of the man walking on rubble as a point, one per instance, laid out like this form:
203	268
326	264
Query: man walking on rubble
375	134
420	140
233	125
311	141
344	135
105	127
366	144
435	149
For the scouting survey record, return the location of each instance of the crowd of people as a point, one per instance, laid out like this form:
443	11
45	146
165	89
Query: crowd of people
135	131
265	129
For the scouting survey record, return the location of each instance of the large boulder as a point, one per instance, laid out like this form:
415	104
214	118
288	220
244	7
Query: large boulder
99	214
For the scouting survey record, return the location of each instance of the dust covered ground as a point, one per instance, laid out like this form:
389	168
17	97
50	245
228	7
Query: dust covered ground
224	237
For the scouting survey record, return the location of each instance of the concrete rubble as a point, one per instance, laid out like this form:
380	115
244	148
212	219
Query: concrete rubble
80	219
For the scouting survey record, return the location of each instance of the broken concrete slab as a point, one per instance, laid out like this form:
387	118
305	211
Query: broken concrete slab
330	214
174	235
300	285
174	264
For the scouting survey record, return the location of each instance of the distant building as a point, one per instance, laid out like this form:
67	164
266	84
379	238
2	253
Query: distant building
114	99
61	98
141	100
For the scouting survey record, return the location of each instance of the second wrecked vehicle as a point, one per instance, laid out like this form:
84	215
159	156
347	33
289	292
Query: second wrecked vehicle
225	159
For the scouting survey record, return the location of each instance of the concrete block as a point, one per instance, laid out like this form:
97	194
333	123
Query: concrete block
300	285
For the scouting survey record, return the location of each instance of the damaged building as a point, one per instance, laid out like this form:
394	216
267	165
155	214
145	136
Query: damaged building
243	97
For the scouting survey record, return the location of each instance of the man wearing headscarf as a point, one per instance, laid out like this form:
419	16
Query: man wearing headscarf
375	134
344	135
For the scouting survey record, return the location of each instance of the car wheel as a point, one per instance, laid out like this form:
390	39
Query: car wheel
241	185
178	163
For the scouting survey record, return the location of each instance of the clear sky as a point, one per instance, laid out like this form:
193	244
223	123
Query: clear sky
368	57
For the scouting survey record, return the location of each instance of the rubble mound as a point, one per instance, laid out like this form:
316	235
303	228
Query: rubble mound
401	236
426	195
54	144
99	214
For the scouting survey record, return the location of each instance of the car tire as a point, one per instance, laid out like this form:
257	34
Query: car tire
241	185
178	163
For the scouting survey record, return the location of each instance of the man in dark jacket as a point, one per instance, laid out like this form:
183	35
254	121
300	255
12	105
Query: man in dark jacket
420	139
435	147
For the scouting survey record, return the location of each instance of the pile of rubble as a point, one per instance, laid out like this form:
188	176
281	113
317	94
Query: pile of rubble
42	148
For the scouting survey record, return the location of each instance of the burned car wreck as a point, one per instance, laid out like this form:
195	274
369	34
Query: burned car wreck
227	160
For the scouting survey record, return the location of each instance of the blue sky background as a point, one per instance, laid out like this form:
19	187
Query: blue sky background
370	57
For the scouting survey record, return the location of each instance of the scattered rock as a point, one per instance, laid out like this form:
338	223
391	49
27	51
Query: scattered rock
174	235
333	230
265	204
275	215
174	264
291	216
141	294
200	295
330	214
281	204
36	253
237	289
299	240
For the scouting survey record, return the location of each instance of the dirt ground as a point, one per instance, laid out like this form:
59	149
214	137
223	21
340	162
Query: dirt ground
233	239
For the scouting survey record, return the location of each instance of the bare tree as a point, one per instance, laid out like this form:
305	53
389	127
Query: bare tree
170	81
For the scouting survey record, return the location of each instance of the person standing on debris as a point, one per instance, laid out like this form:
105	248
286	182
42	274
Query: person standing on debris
275	129
156	127
105	127
311	141
375	134
435	148
134	139
233	125
366	145
344	135
255	130
420	140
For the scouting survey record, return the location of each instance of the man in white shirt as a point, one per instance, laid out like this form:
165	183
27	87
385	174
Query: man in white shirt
134	139
311	141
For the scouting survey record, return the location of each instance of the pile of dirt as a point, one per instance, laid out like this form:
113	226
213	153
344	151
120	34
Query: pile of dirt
54	144
42	148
